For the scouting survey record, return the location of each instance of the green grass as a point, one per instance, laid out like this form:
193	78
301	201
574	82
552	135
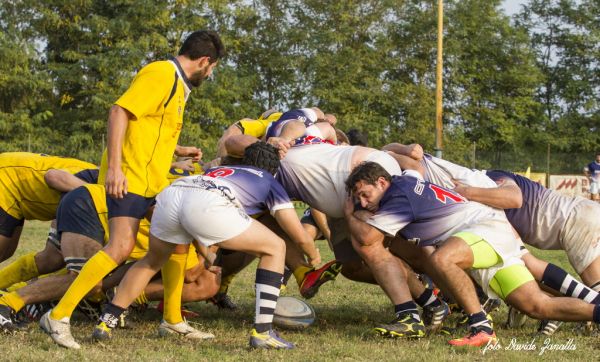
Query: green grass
346	311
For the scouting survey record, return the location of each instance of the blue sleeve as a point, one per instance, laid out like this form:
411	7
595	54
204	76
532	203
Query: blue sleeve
277	198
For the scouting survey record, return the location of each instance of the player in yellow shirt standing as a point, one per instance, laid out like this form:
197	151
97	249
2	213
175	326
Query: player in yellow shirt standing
143	128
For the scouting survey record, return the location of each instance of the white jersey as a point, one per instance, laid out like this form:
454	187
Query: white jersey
316	174
441	172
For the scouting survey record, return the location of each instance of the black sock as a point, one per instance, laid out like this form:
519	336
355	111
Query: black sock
480	322
428	299
110	314
408	307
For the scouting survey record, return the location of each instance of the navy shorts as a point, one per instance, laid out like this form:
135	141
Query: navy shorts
8	224
77	214
131	205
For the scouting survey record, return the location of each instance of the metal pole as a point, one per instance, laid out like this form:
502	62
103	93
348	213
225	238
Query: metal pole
438	93
548	166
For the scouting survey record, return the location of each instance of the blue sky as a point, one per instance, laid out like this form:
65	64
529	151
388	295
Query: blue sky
513	6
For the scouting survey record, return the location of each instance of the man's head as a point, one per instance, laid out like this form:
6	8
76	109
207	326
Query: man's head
357	138
203	48
368	182
262	155
598	157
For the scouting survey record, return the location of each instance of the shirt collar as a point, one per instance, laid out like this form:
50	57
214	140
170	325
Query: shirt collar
186	81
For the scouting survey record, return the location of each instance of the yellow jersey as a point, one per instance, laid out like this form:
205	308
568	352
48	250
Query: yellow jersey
258	127
156	98
23	192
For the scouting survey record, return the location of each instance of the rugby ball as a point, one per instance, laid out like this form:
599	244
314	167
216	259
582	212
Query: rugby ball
293	313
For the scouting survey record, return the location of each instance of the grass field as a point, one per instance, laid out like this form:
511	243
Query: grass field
346	312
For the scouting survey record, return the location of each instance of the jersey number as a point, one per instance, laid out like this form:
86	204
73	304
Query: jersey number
221	172
444	195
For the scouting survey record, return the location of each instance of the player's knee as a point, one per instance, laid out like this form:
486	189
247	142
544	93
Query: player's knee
534	307
274	247
119	250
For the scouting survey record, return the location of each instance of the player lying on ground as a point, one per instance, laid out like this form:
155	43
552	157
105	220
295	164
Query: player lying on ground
215	211
469	236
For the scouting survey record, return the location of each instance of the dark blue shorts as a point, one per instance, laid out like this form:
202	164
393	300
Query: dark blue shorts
77	214
131	205
8	224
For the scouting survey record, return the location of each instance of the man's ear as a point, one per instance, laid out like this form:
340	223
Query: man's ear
203	62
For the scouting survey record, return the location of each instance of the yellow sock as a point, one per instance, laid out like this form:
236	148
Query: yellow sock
141	299
300	272
225	282
173	273
91	274
21	270
16	286
12	300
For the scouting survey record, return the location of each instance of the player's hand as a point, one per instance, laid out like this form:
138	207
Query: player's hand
282	145
115	183
189	151
186	165
461	189
349	206
363	215
415	151
314	262
215	270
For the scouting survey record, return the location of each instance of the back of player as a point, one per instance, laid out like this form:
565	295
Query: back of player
442	172
25	194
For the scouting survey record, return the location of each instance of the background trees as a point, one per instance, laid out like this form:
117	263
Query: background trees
513	87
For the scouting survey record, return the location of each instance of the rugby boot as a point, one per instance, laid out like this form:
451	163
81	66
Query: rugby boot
315	278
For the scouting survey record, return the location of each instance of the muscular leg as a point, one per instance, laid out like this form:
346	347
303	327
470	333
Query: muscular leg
591	275
448	265
8	244
532	301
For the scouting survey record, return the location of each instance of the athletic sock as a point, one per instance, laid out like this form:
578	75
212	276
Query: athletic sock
111	314
91	274
267	291
225	282
12	300
559	280
407	307
596	315
141	299
300	273
480	322
173	273
21	270
428	299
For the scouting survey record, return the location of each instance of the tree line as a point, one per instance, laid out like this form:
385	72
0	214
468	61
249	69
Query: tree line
512	85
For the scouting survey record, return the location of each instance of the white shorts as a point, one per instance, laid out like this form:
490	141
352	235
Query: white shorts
594	187
183	214
581	234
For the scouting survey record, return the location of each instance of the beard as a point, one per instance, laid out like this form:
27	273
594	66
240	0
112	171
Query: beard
197	78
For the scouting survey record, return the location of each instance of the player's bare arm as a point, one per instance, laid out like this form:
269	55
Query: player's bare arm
369	235
189	151
235	145
288	220
408	163
506	196
231	131
62	181
414	150
321	221
116	182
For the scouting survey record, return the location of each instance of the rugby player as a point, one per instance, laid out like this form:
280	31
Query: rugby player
215	211
468	236
25	195
592	170
143	129
548	220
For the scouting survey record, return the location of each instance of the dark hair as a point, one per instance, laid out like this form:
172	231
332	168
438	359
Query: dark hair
367	172
357	138
262	155
203	43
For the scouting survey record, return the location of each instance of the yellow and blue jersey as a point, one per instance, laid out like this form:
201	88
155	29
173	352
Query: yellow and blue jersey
258	127
24	193
156	98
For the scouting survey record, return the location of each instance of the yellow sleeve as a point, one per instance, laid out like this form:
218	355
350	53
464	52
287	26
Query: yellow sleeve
149	90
